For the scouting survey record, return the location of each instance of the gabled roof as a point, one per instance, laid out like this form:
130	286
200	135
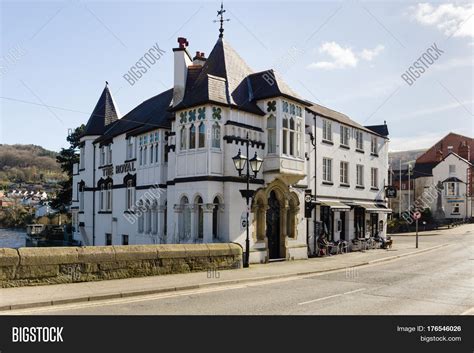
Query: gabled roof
339	117
103	114
457	156
151	114
452	180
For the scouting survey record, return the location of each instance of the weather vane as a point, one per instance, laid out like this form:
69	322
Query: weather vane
220	13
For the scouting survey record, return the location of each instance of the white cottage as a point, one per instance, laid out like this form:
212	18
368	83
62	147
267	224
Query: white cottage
164	173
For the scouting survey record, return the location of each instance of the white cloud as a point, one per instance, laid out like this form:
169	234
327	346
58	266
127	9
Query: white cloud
439	108
369	54
452	20
415	142
343	57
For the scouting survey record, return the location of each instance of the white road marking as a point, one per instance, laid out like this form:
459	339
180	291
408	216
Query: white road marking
332	296
149	297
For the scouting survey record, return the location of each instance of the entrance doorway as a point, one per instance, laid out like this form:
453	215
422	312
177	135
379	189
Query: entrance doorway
374	220
342	217
273	226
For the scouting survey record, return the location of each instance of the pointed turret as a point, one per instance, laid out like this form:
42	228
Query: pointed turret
103	115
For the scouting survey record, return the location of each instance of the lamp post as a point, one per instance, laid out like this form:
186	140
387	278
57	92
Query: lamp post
255	163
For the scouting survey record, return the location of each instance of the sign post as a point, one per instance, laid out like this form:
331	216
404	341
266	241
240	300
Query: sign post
416	216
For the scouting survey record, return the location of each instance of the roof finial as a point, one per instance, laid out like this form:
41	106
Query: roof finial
106	83
220	13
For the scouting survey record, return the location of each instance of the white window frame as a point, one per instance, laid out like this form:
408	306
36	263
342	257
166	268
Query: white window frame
344	172
359	136
359	175
108	200
374	145
374	178
327	170
327	130
344	132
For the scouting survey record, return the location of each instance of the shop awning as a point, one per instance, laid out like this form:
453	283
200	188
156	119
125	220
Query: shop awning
374	207
335	205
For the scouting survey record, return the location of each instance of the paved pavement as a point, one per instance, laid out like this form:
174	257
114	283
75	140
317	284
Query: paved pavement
434	279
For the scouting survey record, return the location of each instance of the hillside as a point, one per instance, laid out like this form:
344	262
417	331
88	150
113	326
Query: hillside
404	157
28	164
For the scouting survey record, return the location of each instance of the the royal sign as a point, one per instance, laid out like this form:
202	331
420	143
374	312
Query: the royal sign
119	169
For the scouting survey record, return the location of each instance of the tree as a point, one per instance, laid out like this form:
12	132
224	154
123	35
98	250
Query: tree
67	158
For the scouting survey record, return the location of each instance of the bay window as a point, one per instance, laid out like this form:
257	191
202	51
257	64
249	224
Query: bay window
271	131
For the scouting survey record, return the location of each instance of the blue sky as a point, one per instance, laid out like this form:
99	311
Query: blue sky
348	56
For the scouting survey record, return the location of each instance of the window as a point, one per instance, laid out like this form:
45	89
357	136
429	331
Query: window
183	138
192	137
344	135
327	130
202	136
102	197
108	239
374	182
102	155
156	153
452	189
299	133
152	150
165	218
130	194
456	208
144	151
360	175
109	154
452	169
344	173
154	228
373	145
359	136
148	218
184	219
81	197
285	107
215	219
285	135
81	156
327	169
130	148
141	217
216	135
124	239
271	131
109	197
200	217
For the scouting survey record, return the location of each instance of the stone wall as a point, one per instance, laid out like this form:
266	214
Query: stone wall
39	266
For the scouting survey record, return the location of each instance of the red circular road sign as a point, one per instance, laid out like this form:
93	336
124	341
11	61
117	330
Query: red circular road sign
416	215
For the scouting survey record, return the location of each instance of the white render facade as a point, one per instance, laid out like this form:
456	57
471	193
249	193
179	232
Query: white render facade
167	176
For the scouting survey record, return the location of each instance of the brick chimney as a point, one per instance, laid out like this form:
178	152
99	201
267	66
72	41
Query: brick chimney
464	150
182	60
199	59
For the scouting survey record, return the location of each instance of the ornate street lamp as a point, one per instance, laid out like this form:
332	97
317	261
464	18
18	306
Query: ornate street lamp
255	163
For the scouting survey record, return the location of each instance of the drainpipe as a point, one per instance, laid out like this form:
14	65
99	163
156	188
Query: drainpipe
315	183
93	197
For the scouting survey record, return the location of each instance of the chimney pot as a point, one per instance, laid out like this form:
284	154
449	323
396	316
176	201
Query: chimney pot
183	42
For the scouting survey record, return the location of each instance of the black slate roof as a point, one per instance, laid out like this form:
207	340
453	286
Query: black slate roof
151	114
103	114
226	79
382	130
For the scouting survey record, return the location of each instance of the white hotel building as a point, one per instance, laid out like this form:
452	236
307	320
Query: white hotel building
163	173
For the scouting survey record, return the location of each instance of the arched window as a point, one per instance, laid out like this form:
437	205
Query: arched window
130	194
154	210
156	153
144	155
202	135
271	130
200	217
148	218
192	137
292	137
165	219
80	189
182	138
109	196
185	219
141	217
285	135
152	150
102	197
215	219
216	135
